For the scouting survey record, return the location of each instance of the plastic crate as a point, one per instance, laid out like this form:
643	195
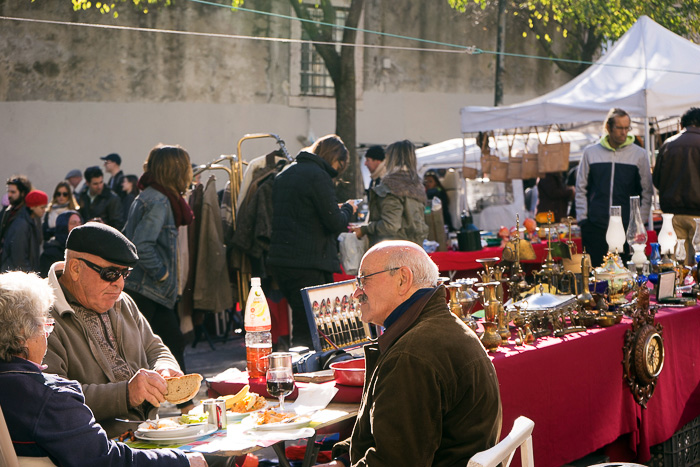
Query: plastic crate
681	450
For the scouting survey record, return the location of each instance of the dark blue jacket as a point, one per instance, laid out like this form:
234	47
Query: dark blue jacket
306	219
47	416
20	251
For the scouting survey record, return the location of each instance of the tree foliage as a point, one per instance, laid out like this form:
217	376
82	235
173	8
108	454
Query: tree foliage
577	29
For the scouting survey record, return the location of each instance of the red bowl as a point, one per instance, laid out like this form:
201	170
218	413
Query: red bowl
349	372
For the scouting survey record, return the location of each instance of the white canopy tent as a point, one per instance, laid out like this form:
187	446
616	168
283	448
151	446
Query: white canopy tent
649	72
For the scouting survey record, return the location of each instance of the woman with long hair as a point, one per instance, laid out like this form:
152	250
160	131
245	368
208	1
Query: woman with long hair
397	204
306	221
130	187
62	201
152	225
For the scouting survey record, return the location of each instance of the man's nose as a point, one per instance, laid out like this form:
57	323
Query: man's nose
357	293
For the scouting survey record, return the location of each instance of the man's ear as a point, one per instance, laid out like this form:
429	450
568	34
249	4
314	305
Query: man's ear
73	267
405	280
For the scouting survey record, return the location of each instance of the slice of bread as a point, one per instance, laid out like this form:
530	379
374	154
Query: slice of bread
182	388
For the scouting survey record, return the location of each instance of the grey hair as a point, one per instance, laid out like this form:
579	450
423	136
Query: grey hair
425	271
25	301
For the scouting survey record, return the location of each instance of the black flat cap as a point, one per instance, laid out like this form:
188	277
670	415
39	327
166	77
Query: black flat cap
104	241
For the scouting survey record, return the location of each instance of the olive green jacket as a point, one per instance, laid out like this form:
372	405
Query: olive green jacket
431	394
397	210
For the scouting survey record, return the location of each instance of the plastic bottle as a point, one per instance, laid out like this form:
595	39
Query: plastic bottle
258	339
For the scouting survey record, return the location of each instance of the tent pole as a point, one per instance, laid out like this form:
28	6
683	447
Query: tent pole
650	154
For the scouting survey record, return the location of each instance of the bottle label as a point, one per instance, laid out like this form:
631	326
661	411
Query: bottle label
257	313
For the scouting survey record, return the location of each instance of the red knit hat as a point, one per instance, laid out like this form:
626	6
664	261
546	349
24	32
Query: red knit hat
36	198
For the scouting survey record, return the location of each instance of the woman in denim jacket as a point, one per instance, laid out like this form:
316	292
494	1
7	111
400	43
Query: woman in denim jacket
152	225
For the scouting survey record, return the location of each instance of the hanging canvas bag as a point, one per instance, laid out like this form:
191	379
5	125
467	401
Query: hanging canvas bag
553	157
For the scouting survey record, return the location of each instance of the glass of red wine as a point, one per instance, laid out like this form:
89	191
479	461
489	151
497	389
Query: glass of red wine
280	378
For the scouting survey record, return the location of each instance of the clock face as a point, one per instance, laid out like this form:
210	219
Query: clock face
648	355
654	355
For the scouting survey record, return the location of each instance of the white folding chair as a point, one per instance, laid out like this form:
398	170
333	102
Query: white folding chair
519	437
8	456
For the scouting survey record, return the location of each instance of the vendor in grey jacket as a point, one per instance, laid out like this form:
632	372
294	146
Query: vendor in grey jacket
46	414
431	397
610	172
101	339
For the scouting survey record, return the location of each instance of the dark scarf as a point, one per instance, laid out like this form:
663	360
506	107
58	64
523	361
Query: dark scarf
181	210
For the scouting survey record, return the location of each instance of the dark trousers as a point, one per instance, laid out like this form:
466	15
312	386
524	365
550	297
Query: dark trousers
165	322
291	281
594	243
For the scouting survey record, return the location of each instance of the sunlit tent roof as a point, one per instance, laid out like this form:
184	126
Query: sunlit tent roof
649	72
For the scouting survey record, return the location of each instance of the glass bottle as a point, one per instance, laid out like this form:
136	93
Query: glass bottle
655	261
636	231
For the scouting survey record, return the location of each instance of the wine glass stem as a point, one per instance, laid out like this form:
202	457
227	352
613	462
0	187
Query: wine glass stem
281	403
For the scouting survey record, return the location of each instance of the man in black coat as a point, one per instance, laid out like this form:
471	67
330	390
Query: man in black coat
97	202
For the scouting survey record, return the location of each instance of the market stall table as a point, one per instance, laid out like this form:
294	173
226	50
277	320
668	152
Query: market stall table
452	262
573	389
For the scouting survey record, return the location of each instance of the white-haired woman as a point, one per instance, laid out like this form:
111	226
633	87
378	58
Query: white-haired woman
46	414
397	204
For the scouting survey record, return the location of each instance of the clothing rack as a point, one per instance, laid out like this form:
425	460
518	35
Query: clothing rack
235	173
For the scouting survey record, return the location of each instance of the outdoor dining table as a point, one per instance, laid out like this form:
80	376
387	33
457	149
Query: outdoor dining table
239	437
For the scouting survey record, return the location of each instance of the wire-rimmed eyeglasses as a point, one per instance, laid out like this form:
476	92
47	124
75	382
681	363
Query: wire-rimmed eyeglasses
359	280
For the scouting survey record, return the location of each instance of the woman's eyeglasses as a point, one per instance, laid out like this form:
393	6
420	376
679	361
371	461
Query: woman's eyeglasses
110	273
62	194
49	325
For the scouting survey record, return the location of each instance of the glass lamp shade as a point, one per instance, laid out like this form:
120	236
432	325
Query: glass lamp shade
680	251
636	231
615	235
667	236
696	239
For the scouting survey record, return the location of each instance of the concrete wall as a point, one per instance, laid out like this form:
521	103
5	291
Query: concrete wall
69	95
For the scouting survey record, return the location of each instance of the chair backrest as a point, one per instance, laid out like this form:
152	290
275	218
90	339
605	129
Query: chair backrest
519	437
8	457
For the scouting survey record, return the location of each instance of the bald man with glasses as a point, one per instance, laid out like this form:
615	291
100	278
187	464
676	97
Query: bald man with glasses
431	395
101	339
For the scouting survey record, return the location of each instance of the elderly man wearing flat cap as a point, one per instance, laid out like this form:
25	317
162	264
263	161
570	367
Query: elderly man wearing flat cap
100	337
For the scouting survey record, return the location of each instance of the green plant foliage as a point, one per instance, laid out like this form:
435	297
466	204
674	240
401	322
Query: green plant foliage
577	29
144	6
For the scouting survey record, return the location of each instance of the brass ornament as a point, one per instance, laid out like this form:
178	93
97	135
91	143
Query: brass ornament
643	352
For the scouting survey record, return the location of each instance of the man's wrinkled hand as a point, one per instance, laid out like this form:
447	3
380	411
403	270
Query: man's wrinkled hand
147	385
357	231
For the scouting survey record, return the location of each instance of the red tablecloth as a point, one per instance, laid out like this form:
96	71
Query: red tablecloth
466	260
573	389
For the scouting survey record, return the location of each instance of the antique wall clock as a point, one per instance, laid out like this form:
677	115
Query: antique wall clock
643	353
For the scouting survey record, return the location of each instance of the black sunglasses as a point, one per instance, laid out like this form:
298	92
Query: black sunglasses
110	273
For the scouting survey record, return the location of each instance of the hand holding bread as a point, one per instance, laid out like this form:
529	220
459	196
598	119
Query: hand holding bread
146	385
182	388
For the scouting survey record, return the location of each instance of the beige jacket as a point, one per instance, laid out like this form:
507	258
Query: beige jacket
73	354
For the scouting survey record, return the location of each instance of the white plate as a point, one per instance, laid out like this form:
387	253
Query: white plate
303	421
186	429
235	416
204	430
